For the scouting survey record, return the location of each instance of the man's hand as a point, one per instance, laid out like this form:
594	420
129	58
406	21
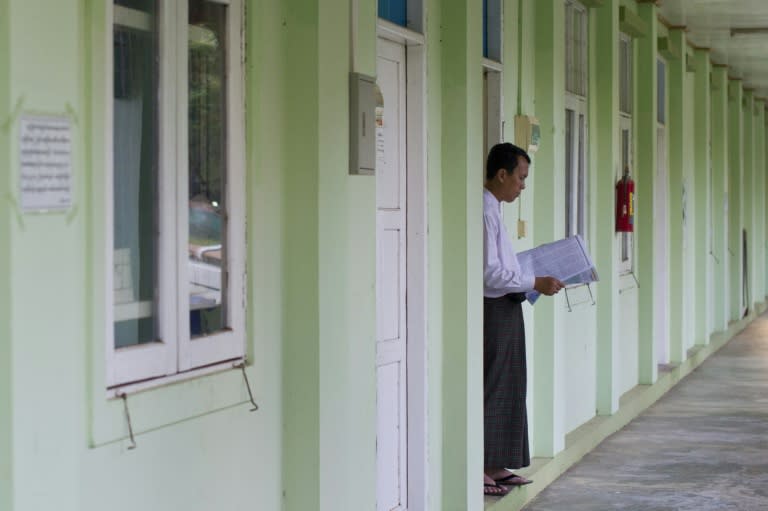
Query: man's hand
548	285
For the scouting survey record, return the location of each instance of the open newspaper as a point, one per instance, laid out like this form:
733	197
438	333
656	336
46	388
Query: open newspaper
567	260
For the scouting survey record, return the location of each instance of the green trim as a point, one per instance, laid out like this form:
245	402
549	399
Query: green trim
668	49
631	24
593	3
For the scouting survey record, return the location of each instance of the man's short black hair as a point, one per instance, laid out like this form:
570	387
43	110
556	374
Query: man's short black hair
503	156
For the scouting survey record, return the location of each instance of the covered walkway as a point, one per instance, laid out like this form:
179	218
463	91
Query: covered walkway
703	446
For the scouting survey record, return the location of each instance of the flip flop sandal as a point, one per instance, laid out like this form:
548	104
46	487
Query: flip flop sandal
494	490
513	480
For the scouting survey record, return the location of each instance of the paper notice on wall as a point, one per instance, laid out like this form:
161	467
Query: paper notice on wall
45	163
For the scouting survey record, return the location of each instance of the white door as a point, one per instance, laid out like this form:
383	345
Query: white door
661	230
392	421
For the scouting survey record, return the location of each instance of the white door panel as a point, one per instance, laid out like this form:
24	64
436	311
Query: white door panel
391	363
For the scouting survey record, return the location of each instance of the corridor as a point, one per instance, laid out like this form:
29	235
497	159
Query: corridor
702	447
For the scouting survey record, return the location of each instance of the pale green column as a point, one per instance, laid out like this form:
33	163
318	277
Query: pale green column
735	195
462	179
6	215
605	142
748	186
676	126
346	222
299	214
719	184
760	200
436	445
646	122
702	207
548	223
44	263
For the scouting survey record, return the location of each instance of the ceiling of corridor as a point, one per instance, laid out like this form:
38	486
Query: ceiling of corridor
735	30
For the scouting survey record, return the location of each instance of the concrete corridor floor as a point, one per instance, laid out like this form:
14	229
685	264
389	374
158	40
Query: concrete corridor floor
702	447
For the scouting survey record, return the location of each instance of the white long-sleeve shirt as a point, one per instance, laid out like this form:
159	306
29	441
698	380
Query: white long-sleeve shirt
501	270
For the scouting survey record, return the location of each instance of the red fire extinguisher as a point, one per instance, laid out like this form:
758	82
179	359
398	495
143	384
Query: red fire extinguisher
625	204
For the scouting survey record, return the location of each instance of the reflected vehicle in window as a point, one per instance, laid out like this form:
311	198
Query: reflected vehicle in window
205	262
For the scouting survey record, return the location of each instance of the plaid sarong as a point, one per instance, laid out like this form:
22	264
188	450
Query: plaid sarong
505	377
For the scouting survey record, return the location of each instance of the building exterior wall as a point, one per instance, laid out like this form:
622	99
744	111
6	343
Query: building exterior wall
311	260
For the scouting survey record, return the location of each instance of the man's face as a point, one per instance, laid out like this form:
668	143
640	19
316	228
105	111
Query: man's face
514	183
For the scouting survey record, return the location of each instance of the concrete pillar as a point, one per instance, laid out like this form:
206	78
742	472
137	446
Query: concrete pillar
702	207
6	459
605	137
735	195
719	184
346	245
301	344
646	122
462	179
748	200
548	214
676	127
760	198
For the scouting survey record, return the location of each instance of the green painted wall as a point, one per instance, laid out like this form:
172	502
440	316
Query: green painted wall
702	197
548	215
760	224
462	155
735	201
311	254
347	252
438	442
606	161
720	164
6	404
749	190
40	248
676	129
646	124
693	283
521	99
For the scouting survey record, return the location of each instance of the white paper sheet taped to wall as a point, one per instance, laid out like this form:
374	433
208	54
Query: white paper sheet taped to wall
567	259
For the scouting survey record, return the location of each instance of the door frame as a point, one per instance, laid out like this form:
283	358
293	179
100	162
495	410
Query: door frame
416	258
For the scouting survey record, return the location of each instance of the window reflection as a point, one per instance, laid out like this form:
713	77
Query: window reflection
207	167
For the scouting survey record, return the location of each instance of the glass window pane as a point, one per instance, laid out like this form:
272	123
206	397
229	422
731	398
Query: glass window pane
569	169
394	11
662	89
582	188
207	167
625	70
135	172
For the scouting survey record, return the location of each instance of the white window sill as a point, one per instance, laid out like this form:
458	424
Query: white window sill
118	391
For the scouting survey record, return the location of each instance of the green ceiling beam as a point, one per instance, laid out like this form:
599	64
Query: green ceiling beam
668	49
631	24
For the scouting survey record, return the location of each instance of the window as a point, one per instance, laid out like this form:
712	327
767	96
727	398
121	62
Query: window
576	130
177	242
626	99
575	171
492	109
662	91
625	79
492	29
576	45
394	11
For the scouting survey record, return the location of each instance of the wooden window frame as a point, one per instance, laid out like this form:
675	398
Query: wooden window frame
177	353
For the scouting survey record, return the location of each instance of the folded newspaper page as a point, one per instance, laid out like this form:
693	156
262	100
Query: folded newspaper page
567	260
